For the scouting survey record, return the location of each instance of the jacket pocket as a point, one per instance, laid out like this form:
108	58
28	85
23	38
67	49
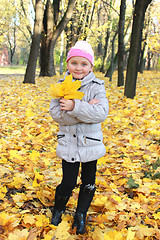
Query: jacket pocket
60	136
90	140
61	139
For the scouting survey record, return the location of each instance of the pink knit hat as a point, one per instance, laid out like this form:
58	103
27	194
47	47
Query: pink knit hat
82	49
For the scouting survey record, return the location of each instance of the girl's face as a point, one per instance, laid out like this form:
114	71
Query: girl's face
79	67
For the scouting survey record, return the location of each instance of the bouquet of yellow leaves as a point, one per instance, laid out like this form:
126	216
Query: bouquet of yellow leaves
66	89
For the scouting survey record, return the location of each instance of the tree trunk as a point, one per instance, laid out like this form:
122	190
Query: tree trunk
62	45
144	49
99	37
46	38
12	43
46	57
115	62
61	53
105	50
50	40
112	66
121	44
107	38
142	59
34	51
112	57
135	47
79	23
150	55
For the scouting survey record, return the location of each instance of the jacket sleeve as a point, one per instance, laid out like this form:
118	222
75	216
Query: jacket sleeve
59	116
96	113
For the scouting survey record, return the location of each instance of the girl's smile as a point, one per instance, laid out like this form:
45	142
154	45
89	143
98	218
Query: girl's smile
79	67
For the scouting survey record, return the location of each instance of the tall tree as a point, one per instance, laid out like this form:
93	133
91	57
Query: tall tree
16	29
24	17
135	47
8	29
142	56
51	31
121	43
112	55
46	37
36	37
80	22
115	61
110	20
11	37
62	45
144	47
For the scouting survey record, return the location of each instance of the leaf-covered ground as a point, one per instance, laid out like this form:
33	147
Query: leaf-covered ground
127	201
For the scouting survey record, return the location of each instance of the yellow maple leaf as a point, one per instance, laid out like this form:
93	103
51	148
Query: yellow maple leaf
130	234
9	221
157	216
38	176
29	113
42	220
46	195
15	154
98	234
62	231
49	236
100	201
19	199
4	218
18	234
113	235
35	184
29	219
34	155
144	231
66	89
37	179
116	198
17	182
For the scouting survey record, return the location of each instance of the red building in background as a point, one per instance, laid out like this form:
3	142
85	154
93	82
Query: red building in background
4	59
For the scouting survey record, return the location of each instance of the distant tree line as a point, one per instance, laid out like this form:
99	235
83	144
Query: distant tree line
122	36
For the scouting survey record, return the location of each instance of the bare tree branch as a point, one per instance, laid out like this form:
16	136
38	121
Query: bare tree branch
111	7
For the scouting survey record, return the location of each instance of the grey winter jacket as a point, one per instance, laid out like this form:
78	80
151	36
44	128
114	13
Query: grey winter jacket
80	138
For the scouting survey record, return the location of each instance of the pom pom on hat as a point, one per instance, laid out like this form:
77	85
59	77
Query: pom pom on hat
82	49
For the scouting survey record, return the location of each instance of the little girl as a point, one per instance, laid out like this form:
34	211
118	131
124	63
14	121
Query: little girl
80	139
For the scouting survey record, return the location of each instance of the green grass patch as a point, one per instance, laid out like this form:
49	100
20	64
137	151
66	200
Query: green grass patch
14	70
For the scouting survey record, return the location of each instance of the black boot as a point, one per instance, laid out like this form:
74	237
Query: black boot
84	200
59	208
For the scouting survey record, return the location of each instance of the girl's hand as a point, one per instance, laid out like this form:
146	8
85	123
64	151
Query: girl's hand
67	105
93	101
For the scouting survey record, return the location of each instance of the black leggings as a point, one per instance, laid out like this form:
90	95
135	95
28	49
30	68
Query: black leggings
70	174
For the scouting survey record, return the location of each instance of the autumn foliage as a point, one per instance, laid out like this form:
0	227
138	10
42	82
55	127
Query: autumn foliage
126	205
67	89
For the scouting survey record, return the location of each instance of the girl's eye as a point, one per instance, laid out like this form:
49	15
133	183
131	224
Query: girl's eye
84	64
74	63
